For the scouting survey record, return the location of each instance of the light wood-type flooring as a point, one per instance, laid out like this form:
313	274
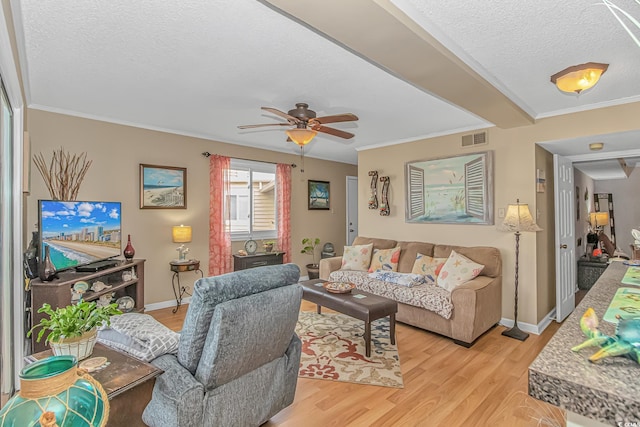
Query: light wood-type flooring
444	385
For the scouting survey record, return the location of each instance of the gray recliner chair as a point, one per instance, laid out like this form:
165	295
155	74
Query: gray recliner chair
238	357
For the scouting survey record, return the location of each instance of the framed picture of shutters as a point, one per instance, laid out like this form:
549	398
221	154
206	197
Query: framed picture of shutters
451	190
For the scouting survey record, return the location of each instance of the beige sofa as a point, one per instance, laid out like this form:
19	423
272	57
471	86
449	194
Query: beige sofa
477	304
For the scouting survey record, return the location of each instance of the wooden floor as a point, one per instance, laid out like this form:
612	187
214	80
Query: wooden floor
444	385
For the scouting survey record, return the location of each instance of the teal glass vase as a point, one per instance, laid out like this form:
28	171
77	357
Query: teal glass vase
54	392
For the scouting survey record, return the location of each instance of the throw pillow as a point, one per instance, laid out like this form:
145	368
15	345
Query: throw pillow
457	270
428	266
357	257
140	335
385	259
403	279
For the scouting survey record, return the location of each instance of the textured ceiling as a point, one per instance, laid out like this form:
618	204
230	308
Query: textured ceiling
201	68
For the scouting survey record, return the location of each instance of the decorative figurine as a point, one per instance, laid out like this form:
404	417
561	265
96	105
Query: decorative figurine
625	343
182	250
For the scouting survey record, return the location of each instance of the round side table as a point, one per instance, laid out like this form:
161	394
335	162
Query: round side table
182	267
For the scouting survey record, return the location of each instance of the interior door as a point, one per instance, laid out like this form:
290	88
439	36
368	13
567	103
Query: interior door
352	208
565	237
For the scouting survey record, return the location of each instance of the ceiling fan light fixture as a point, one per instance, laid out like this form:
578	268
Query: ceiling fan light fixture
579	77
301	136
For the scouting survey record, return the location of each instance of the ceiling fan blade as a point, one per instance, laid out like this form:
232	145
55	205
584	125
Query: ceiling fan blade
347	117
290	119
264	124
333	131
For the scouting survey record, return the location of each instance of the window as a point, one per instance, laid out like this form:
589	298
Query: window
251	203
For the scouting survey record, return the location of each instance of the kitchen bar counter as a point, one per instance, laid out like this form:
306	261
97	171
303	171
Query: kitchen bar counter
607	391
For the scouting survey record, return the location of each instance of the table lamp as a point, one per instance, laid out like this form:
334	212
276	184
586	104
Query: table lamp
181	234
598	220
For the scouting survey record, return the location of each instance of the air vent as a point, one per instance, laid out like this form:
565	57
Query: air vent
474	139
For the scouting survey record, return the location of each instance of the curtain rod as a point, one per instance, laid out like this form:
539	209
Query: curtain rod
208	154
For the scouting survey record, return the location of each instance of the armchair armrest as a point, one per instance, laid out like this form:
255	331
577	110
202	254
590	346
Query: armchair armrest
328	265
477	305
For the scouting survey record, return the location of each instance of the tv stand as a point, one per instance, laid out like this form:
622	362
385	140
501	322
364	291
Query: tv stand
57	292
96	266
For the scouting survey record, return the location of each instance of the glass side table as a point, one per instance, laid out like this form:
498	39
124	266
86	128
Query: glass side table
182	267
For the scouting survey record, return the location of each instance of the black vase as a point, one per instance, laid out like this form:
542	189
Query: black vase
31	258
46	269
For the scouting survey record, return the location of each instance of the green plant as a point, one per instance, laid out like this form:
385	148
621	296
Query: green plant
73	320
309	247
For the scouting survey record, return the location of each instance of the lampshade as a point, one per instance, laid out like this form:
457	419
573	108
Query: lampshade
301	136
598	219
518	219
181	233
579	77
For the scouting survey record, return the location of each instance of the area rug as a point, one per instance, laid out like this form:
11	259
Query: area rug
333	349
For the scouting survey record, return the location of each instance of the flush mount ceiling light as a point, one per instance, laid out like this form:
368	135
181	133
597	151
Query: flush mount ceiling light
595	146
579	77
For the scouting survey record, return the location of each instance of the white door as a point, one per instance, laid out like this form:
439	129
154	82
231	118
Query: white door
565	237
352	208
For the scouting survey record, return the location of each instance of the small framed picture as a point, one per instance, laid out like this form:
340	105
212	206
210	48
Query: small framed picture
319	195
163	187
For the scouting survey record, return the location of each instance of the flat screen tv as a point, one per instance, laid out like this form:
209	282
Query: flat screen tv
79	233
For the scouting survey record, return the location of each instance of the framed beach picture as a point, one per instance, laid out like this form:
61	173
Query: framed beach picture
163	187
451	190
319	195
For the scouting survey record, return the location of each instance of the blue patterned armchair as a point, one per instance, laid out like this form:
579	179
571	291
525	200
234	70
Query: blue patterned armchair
238	357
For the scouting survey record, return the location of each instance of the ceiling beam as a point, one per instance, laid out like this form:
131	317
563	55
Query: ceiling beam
382	34
625	168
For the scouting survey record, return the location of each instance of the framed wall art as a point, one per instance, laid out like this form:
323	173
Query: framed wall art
451	190
319	197
163	187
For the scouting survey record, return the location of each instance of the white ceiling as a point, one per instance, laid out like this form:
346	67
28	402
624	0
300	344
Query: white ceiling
202	67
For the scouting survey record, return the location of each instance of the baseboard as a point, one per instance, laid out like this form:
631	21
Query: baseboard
528	327
165	304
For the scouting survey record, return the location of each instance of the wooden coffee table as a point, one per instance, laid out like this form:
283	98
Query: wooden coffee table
359	304
127	381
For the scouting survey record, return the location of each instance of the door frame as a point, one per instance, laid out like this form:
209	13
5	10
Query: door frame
347	210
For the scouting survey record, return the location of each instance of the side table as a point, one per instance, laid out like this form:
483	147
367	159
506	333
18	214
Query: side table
181	267
127	381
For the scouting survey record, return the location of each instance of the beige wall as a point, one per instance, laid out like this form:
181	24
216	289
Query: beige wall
543	211
118	150
514	176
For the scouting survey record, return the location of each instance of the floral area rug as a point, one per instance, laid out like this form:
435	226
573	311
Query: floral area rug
333	349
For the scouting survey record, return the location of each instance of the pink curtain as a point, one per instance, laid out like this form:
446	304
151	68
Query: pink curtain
283	191
219	237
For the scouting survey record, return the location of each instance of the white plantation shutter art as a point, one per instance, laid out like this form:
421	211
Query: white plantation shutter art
416	192
475	187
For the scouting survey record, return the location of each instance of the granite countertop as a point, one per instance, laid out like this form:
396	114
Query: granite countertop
609	390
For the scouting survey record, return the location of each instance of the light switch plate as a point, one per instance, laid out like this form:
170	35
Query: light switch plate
501	213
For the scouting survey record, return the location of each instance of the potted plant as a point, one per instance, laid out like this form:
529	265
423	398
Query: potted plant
268	245
309	247
72	329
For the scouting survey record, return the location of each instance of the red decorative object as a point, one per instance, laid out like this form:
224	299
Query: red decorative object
129	252
597	252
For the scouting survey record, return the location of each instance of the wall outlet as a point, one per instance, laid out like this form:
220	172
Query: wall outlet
501	213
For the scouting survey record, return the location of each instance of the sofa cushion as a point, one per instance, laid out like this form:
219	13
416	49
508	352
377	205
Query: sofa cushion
429	267
457	270
357	257
377	243
385	259
432	298
489	257
409	252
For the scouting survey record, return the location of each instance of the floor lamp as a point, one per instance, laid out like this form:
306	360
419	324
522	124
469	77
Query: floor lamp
518	219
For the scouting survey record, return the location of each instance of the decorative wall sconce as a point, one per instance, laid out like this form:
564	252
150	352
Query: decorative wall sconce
384	206
373	198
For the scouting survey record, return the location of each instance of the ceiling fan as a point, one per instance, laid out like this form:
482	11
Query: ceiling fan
307	125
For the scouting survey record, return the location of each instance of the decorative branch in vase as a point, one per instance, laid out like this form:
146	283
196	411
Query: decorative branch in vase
63	174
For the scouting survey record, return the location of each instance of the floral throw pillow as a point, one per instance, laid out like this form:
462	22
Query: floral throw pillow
357	257
429	267
385	259
457	270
